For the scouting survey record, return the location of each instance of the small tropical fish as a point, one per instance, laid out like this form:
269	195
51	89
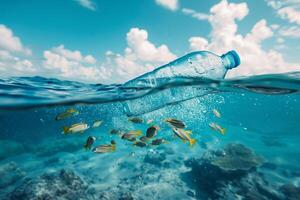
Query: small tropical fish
105	148
136	120
217	127
140	144
184	135
89	142
75	128
131	135
144	139
135	133
152	131
158	141
128	137
97	123
175	123
68	113
115	132
217	113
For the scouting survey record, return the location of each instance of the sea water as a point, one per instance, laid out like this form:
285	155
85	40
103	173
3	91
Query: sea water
258	157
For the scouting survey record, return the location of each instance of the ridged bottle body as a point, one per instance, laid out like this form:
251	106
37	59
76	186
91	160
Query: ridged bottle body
199	64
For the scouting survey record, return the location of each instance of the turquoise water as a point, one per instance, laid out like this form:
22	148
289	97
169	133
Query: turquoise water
256	158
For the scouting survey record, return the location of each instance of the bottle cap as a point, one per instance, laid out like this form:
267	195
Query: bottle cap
233	59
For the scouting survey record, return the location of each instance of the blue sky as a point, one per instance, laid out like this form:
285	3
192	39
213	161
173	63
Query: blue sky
115	40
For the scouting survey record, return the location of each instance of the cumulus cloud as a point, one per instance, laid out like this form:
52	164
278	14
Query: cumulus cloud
89	4
198	43
224	37
72	65
11	43
194	14
169	4
140	56
292	32
12	53
290	13
287	9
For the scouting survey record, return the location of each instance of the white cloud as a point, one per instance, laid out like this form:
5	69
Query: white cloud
286	9
74	55
144	50
259	32
5	55
280	40
64	63
290	13
225	36
89	4
140	56
194	14
198	43
292	32
169	4
10	42
274	26
12	52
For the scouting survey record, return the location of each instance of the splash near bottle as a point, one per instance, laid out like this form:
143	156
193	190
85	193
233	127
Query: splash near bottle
198	65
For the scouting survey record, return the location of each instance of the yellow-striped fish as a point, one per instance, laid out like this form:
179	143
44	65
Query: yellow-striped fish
75	128
217	127
68	113
106	148
97	123
217	113
184	135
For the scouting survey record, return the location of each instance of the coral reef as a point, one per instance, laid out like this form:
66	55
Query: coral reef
10	173
64	184
237	157
230	173
291	192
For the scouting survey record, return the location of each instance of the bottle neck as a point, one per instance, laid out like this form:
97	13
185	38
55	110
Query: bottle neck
231	60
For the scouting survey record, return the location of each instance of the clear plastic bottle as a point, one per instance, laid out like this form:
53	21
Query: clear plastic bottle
198	65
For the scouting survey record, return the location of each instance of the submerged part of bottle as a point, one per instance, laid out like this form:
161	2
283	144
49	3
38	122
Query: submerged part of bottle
199	64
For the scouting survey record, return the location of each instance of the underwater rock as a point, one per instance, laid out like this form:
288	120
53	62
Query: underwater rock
210	181
10	173
290	191
126	196
117	194
10	148
254	186
237	157
228	174
64	184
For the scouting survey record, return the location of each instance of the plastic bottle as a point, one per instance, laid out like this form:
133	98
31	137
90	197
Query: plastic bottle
199	64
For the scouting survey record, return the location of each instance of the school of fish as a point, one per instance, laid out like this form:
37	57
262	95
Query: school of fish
136	137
